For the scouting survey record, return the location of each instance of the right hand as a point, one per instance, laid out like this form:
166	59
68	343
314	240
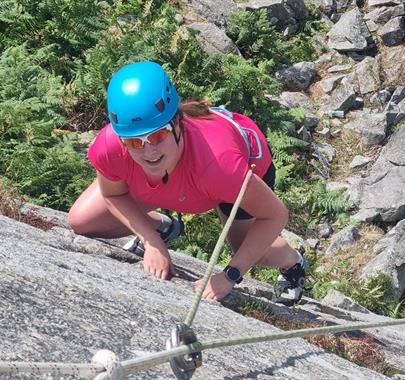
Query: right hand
158	262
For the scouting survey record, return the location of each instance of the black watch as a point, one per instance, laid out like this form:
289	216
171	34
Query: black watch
233	274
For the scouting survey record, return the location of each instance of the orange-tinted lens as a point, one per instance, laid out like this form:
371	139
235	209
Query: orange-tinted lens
158	136
152	138
133	142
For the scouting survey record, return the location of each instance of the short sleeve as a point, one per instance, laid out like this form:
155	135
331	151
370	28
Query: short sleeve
106	157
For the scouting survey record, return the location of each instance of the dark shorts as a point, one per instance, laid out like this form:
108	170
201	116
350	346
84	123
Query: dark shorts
269	178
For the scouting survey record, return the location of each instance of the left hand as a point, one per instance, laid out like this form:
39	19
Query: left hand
218	286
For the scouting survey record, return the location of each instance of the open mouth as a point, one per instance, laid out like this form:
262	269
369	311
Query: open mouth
154	161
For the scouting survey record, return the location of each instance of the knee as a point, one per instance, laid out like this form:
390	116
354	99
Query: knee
77	222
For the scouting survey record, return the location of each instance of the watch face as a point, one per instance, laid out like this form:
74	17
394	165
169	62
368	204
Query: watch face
233	273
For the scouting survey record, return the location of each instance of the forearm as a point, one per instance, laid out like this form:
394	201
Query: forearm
257	242
129	213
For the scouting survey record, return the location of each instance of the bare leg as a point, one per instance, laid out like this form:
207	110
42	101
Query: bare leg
279	255
89	216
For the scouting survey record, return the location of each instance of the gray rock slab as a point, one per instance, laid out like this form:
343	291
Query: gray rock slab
338	299
392	65
350	33
298	99
330	83
213	11
278	12
371	126
343	240
368	73
359	161
378	3
63	305
298	76
213	39
393	32
342	98
380	196
390	259
381	15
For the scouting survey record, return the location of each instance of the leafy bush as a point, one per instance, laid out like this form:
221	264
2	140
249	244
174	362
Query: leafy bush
258	40
42	166
69	26
200	236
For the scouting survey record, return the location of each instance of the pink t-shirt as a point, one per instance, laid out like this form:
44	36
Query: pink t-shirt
211	170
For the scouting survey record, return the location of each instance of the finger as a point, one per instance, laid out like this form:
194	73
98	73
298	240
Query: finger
160	274
165	274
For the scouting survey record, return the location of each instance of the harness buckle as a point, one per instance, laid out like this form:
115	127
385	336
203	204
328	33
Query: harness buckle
183	366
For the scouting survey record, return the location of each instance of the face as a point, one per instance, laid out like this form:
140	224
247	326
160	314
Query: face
155	160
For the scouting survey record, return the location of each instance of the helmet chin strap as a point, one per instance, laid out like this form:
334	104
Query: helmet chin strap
177	137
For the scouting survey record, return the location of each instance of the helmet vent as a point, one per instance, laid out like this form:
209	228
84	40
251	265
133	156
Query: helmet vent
168	100
160	105
167	89
137	118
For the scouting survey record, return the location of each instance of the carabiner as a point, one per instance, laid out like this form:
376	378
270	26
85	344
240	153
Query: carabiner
183	366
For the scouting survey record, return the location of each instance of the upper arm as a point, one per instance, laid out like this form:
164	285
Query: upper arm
110	188
261	202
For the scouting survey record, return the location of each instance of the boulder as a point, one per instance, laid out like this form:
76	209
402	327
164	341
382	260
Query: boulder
343	98
213	39
368	73
392	66
213	11
343	240
338	299
300	100
390	259
282	13
297	77
350	33
380	196
382	15
371	126
393	32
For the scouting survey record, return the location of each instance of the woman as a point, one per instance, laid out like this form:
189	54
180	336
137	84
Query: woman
186	157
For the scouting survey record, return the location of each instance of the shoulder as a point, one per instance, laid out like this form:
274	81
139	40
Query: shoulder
106	142
107	154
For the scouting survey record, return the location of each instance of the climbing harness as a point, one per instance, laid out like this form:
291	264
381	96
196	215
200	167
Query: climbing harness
183	349
242	130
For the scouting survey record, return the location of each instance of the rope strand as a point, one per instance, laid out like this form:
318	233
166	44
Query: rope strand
217	250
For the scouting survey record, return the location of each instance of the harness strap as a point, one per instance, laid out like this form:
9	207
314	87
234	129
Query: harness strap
242	130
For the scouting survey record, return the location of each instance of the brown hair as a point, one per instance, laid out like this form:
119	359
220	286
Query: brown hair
195	108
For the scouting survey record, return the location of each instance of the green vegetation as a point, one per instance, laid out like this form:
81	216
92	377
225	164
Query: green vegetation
55	62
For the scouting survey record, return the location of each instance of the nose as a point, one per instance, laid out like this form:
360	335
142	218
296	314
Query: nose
149	148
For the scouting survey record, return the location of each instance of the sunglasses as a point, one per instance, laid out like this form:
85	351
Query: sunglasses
153	138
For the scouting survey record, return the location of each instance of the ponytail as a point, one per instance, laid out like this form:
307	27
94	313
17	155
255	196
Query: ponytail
195	108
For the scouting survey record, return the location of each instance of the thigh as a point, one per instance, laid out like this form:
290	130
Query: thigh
90	216
237	231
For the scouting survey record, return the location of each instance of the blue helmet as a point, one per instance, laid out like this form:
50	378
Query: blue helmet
140	99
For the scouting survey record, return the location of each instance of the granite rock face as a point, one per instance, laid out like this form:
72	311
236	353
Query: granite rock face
61	304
